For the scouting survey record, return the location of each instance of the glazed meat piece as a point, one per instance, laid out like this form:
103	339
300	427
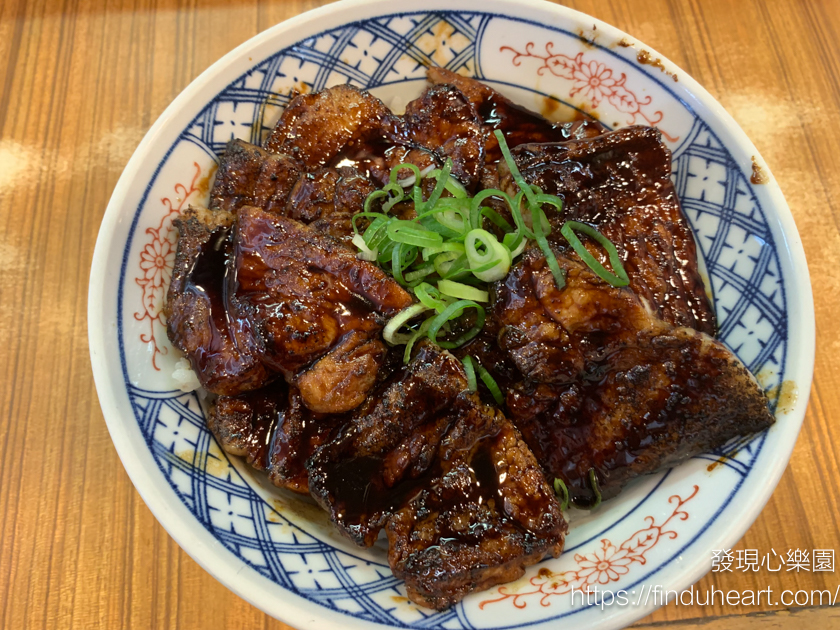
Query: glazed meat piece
328	198
446	122
464	501
556	336
251	176
487	514
646	408
322	129
316	311
611	390
273	431
392	439
221	350
340	380
517	123
620	183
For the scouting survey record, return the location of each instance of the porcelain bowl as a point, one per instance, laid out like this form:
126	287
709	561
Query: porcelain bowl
277	550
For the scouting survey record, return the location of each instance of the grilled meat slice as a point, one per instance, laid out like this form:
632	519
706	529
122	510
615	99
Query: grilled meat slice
610	388
251	176
487	514
340	122
555	336
464	500
304	295
221	350
380	460
340	380
444	120
516	122
620	183
328	198
273	431
645	408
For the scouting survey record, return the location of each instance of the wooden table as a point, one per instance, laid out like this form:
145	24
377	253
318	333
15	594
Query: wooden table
80	83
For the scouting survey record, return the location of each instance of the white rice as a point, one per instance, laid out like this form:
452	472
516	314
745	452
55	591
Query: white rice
184	376
397	105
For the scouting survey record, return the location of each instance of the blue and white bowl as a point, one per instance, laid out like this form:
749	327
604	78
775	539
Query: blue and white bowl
278	551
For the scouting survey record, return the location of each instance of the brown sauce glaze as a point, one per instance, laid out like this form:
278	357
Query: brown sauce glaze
295	292
620	183
299	432
209	278
360	490
641	409
371	156
267	410
646	59
273	430
521	125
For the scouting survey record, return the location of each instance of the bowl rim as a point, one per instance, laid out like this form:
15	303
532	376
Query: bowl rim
178	521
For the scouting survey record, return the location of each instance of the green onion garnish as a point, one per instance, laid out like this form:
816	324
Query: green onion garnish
488	380
462	291
470	370
494	252
391	332
593	481
514	170
409	181
619	278
411	233
412	339
562	493
454	311
430	297
455	246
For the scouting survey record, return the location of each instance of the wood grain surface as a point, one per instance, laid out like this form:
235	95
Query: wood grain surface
80	83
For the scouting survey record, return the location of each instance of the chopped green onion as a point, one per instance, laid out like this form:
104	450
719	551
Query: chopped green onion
376	233
496	219
462	291
365	252
418	334
550	258
488	380
453	311
420	272
386	207
417	197
450	183
516	243
562	492
390	332
452	265
402	256
452	220
494	251
515	206
408	181
445	255
619	278
476	211
429	296
411	233
372	197
428	252
365	215
472	385
441	183
514	171
593	481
